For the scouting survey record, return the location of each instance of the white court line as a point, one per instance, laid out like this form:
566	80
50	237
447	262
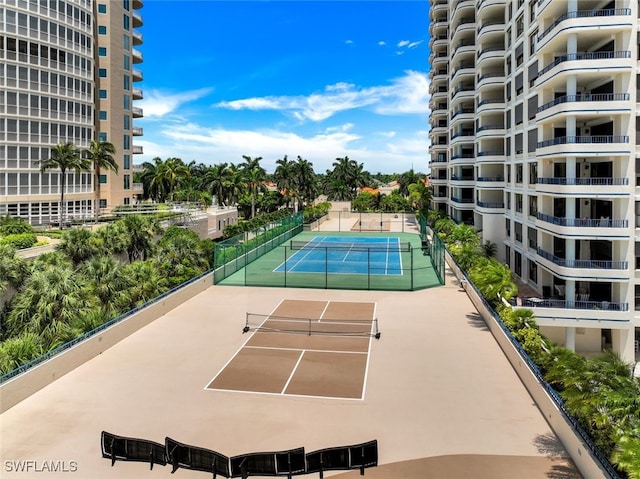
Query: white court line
286	385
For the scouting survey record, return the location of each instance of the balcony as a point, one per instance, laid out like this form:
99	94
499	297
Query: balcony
466	201
137	19
584	181
137	93
490	205
137	4
137	112
137	37
587	227
582	263
137	56
584	145
462	156
137	74
137	131
582	14
491	104
137	150
571	304
604	60
587	186
575	104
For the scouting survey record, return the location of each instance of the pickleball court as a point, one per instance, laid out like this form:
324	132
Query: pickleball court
304	348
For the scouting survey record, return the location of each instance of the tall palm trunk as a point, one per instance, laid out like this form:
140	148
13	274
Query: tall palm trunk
97	199
63	183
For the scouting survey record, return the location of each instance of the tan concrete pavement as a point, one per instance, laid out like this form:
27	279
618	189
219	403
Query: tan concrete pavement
440	397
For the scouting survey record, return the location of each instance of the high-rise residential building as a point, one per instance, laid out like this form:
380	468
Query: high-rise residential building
534	134
67	75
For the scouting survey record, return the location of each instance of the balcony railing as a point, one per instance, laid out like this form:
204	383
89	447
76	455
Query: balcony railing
461	200
584	56
490	178
584	181
485	204
581	263
569	304
462	111
462	133
595	139
462	155
137	150
462	178
585	97
609	12
583	223
490	127
489	101
490	153
137	131
490	23
490	75
496	48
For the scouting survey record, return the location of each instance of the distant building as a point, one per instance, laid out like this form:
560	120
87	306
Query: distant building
67	75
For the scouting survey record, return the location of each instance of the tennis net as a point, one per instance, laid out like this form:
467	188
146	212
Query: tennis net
351	246
292	325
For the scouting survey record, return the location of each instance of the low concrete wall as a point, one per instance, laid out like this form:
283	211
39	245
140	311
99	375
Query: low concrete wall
586	463
22	386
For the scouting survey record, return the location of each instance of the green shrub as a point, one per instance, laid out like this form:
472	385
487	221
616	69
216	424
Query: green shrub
19	241
14	226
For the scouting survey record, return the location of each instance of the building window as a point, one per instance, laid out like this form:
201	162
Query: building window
126	62
102	72
126	182
127	162
126	42
127	201
126	5
102	94
102	51
126	102
518	203
126	82
533	271
103	203
102	115
102	29
103	181
102	136
126	123
126	143
102	8
125	22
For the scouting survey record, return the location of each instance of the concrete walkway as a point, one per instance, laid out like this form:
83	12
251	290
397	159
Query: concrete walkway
440	397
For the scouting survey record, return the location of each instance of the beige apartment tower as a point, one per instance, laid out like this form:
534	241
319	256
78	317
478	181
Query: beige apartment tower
534	140
67	75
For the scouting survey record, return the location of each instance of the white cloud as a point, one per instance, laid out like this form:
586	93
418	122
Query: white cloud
414	44
348	42
158	104
406	95
403	43
378	152
382	43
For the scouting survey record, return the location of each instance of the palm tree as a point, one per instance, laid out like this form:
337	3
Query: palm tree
214	180
254	175
13	269
64	157
100	155
170	173
284	177
140	233
234	184
493	279
151	188
420	196
306	182
105	281
146	282
407	178
79	244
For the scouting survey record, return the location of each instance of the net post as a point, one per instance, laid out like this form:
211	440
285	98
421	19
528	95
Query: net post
309	323
246	323
375	328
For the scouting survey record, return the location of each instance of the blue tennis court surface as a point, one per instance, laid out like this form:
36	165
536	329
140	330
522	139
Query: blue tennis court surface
346	255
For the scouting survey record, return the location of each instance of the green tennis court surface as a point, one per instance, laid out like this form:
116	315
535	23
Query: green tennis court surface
342	260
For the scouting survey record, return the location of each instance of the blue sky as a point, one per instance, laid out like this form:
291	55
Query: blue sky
318	79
